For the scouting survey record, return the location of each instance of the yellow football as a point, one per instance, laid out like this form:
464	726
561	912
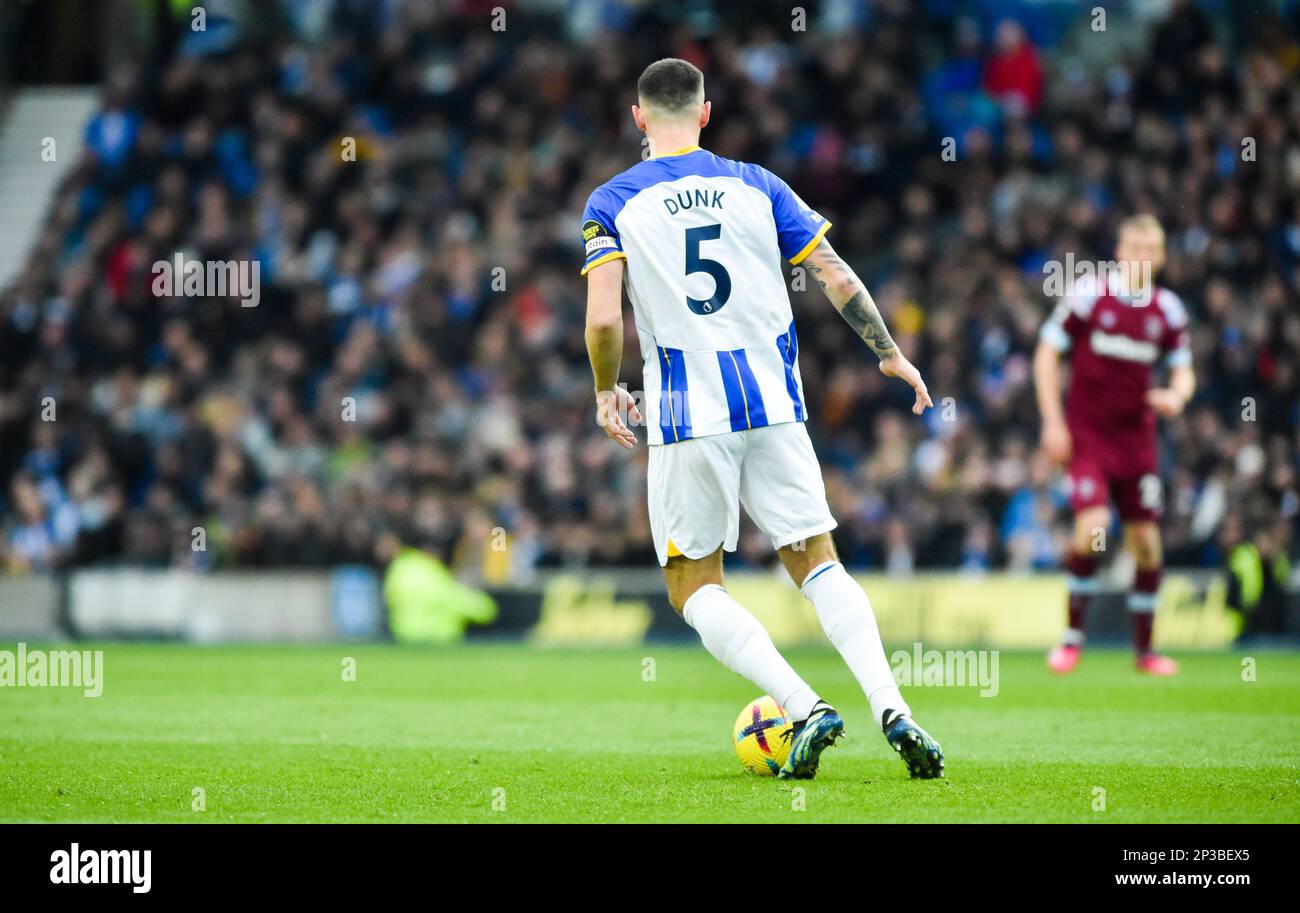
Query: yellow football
762	736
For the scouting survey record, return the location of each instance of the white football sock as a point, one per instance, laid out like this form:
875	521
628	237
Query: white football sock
738	641
846	617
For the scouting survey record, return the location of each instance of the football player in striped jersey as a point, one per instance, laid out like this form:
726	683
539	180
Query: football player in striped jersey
698	240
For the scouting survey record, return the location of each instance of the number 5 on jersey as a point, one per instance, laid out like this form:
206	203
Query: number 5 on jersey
698	264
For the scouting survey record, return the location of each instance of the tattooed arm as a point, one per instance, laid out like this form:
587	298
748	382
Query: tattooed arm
851	298
853	301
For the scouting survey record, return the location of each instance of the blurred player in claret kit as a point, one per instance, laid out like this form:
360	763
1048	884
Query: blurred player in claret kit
725	409
1115	329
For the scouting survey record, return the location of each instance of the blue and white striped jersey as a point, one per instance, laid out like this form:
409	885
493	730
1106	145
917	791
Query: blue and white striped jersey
703	237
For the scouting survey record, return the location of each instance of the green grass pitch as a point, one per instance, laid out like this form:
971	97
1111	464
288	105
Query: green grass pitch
508	733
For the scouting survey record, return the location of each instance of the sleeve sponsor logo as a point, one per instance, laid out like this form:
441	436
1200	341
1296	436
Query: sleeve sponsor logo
592	229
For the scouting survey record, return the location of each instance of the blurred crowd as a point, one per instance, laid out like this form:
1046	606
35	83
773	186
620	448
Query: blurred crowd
410	180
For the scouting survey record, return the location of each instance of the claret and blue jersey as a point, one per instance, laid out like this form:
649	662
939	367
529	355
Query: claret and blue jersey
704	237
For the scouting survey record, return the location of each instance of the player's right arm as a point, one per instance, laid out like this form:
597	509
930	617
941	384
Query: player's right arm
1047	384
851	298
1056	338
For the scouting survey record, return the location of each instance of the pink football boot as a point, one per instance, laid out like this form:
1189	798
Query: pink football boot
1155	664
1064	658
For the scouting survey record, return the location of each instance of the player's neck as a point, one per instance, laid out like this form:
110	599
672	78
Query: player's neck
1140	293
667	141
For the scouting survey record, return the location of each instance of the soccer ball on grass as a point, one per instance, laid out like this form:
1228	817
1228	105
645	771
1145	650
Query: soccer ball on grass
762	736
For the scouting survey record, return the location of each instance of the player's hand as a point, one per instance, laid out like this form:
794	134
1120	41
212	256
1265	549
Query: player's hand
1166	403
1056	442
610	406
898	366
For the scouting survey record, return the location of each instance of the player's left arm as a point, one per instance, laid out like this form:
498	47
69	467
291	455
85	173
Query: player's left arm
1170	400
605	350
851	298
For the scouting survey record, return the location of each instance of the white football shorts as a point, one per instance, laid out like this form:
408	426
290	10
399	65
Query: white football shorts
698	486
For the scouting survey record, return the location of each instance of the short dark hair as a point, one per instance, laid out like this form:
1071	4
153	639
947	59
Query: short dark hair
671	84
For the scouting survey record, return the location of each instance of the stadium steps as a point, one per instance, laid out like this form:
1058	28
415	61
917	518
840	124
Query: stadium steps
28	184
